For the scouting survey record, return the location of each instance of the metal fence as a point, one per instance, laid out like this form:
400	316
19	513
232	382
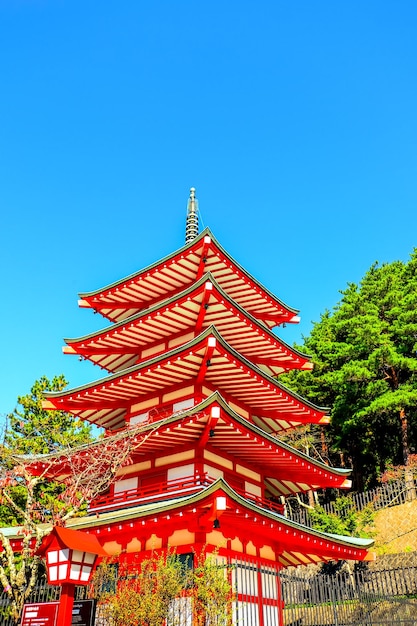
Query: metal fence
362	597
43	593
384	496
351	598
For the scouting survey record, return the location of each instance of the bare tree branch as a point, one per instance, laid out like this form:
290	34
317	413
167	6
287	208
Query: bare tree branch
79	474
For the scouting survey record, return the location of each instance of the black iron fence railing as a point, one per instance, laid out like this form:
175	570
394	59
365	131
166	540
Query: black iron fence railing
384	496
43	593
349	597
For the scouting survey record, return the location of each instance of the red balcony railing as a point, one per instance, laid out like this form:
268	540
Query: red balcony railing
264	503
156	491
170	489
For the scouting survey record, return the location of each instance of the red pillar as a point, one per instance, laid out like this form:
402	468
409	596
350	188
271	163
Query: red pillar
65	605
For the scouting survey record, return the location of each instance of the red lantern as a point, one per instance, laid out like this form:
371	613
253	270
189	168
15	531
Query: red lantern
65	566
70	557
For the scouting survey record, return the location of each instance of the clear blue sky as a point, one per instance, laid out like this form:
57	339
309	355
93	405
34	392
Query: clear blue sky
295	121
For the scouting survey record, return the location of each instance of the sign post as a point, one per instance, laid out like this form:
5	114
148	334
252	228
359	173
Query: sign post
40	614
46	613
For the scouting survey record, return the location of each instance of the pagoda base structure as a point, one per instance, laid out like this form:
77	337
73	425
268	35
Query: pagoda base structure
193	367
256	542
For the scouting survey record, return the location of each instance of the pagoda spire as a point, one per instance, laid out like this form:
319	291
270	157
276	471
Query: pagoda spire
191	225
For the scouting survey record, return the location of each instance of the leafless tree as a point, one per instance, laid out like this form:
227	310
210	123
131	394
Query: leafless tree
45	491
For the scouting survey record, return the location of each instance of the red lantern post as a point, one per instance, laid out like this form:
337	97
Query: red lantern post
70	558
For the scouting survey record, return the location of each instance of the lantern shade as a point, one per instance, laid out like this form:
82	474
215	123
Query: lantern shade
70	556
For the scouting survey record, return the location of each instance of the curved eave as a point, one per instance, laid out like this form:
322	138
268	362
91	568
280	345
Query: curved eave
206	360
297	471
291	470
295	544
159	328
175	272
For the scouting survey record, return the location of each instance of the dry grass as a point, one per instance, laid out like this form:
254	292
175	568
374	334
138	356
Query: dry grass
354	613
396	529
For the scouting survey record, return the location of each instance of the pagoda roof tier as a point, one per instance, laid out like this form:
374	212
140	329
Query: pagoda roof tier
208	363
176	272
215	426
295	544
173	322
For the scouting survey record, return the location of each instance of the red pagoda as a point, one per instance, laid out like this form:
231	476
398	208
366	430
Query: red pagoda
192	365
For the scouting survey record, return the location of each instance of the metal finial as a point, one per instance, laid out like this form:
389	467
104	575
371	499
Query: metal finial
191	225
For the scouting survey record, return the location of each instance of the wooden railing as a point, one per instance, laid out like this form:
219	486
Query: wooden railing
169	489
156	491
264	503
386	495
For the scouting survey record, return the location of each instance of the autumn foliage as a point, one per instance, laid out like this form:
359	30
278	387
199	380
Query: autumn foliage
163	587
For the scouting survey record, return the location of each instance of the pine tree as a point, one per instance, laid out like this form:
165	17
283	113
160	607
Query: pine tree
366	370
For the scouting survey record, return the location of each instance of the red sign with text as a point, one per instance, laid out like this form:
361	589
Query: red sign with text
40	614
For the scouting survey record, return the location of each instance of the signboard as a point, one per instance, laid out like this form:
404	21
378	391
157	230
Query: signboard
46	613
83	613
40	614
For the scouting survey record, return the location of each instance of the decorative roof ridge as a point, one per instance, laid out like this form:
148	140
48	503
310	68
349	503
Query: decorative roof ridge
130	370
189	246
208	276
252	278
211	330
